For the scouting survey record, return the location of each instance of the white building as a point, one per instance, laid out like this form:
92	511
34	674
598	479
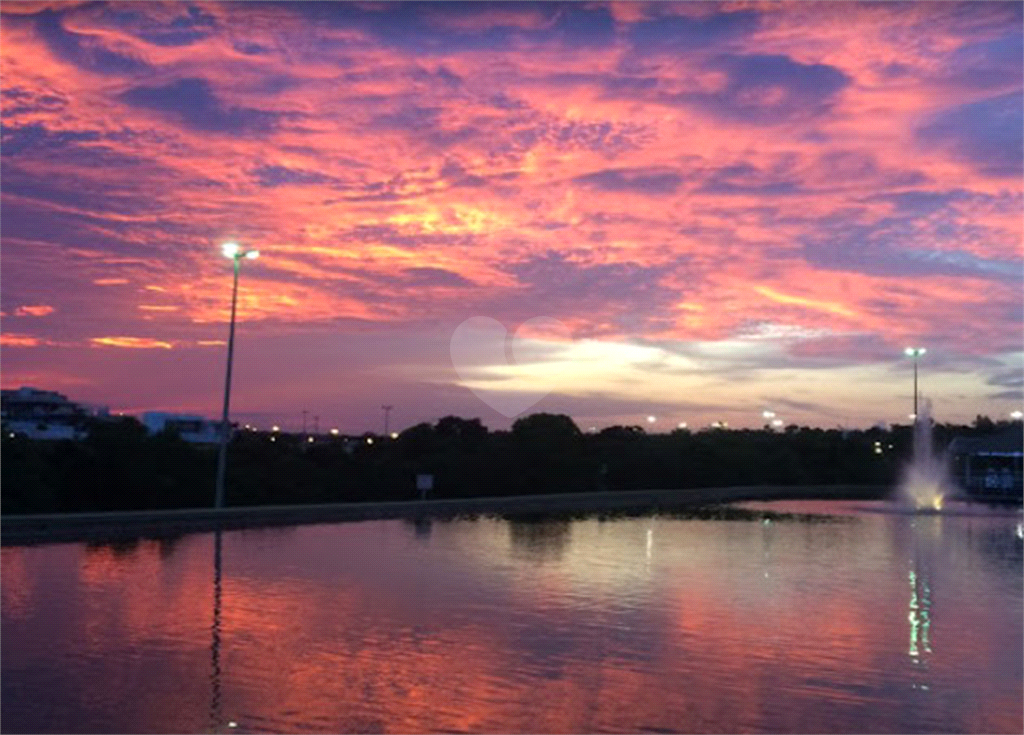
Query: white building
191	428
42	414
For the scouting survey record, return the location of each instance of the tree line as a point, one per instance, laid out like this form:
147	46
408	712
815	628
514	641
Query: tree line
119	466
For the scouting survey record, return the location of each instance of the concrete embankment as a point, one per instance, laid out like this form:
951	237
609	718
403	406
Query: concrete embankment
70	527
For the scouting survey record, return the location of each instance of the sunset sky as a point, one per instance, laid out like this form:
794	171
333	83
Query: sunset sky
731	208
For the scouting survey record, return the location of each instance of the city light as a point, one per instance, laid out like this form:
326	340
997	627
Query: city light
777	423
1016	415
309	439
276	428
394	435
334	432
682	424
651	419
369	440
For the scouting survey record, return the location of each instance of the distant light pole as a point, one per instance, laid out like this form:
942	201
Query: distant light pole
915	352
387	415
233	251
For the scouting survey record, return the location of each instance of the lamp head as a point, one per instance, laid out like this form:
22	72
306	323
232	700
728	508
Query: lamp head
252	254
230	249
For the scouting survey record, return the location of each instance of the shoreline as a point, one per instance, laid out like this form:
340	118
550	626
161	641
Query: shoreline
22	530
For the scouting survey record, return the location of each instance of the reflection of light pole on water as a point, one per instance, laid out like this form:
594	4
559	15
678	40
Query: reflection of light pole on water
215	715
215	693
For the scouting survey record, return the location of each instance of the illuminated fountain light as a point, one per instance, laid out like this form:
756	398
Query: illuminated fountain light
925	483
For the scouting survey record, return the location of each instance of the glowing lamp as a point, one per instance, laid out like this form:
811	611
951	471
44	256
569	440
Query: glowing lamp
230	249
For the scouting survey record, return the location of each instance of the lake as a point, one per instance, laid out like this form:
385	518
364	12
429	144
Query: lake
800	616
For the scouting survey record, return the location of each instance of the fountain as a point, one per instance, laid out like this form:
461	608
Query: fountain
926	482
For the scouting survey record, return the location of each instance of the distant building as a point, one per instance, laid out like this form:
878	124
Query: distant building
42	414
196	429
990	465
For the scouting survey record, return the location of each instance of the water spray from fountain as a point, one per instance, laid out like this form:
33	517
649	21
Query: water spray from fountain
926	481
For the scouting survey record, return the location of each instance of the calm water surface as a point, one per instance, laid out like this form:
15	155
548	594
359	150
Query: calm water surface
794	617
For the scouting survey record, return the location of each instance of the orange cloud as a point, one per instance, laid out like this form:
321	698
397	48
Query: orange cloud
131	342
830	307
41	310
8	339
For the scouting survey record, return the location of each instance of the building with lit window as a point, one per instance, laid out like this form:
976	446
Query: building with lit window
990	466
42	414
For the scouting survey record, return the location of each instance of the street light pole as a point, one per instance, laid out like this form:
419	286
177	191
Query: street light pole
915	388
915	352
230	250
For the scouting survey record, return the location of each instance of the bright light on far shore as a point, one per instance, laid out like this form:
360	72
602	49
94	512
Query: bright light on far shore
682	424
334	432
651	419
1016	415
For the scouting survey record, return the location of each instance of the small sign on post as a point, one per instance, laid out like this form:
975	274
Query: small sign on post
424	483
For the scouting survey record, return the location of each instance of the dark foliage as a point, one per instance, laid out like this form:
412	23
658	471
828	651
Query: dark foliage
120	467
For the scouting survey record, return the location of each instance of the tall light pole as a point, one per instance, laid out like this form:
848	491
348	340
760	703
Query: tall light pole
233	251
387	415
915	352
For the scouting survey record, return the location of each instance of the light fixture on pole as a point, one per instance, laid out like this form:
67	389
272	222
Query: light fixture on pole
236	253
915	352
